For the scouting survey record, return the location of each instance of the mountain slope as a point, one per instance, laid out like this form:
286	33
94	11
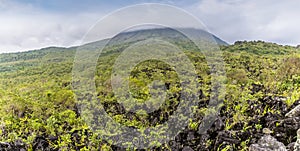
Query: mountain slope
39	111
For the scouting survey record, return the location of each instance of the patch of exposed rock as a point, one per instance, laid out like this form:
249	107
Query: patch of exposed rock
297	144
294	112
268	143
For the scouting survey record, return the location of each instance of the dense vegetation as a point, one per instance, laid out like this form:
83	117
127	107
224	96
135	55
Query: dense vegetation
38	107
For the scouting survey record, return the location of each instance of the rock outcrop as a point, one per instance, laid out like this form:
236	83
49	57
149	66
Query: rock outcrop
268	143
297	144
14	146
294	112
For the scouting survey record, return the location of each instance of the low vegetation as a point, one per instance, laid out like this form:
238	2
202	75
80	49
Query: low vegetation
38	109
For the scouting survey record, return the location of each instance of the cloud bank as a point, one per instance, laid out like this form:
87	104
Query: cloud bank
270	20
27	26
23	27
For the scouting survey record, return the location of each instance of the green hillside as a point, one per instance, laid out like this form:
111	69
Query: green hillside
38	109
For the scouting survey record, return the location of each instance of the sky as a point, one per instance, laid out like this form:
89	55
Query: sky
33	24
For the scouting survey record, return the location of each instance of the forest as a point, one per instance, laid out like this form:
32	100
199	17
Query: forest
39	109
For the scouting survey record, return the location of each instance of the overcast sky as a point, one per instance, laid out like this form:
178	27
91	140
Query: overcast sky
34	24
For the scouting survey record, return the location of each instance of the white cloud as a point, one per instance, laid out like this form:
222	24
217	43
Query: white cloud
269	20
25	28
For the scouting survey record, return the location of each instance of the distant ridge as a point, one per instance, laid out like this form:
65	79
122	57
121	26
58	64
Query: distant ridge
130	36
166	33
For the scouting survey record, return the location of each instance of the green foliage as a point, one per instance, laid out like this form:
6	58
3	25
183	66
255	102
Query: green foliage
36	98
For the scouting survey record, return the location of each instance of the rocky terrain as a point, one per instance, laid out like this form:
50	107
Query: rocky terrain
260	110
